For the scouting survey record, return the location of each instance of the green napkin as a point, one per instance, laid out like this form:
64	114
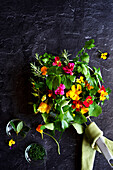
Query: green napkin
89	147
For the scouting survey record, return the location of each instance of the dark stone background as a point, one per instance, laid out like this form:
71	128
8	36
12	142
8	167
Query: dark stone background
30	26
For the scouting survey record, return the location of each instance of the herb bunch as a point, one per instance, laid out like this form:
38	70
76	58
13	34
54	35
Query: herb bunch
67	91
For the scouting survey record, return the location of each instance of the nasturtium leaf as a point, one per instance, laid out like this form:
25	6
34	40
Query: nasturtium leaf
80	51
59	70
85	57
64	103
52	70
79	69
79	128
64	124
72	78
39	85
89	44
45	60
79	118
95	110
108	90
84	69
49	126
66	81
76	59
56	82
13	125
49	81
19	126
65	108
67	117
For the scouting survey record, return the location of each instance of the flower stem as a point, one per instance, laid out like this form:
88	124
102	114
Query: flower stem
55	141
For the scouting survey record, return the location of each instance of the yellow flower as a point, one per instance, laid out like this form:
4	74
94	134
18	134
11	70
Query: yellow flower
44	70
73	115
104	56
44	107
74	92
11	142
103	95
80	80
84	110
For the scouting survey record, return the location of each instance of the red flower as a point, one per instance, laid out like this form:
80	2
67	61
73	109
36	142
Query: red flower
57	62
69	68
88	101
102	89
77	104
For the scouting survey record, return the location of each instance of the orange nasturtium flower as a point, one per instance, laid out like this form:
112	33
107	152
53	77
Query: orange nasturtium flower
88	85
11	142
84	110
38	129
103	93
44	70
44	107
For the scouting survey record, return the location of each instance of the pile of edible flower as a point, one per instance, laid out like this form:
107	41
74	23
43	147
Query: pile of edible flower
66	91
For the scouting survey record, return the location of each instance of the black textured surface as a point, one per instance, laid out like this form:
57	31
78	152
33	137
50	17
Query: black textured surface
30	26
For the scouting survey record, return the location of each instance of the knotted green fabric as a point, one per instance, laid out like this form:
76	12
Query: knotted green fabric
89	147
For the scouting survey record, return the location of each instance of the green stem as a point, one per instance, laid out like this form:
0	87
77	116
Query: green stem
55	141
99	51
60	136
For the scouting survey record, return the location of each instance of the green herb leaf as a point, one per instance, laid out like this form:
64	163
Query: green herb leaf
85	57
89	44
35	94
79	128
35	109
19	126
